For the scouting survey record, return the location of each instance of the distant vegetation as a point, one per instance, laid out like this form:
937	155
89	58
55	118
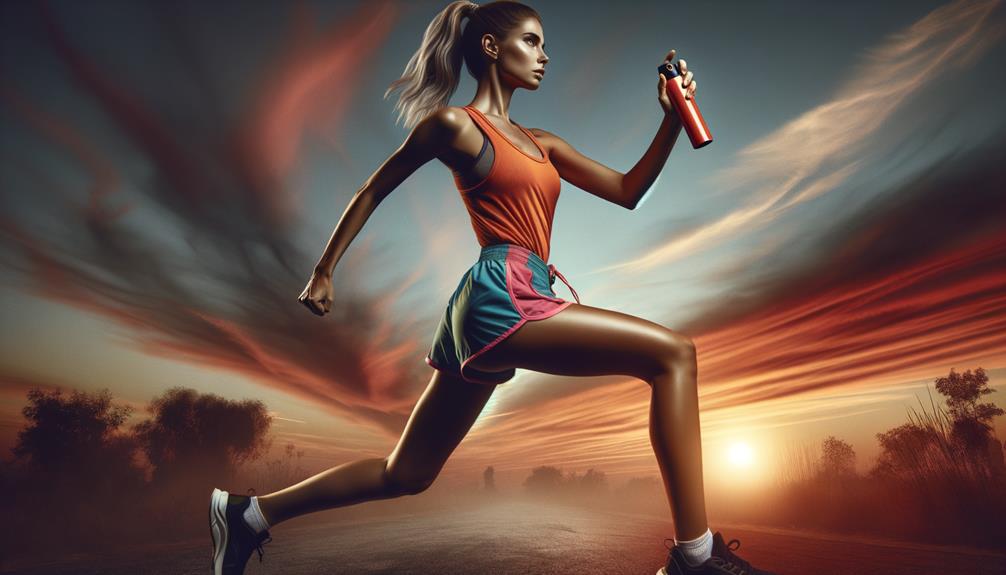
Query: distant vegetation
940	476
81	479
550	482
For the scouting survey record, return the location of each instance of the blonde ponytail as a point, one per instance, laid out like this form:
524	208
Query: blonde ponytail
433	72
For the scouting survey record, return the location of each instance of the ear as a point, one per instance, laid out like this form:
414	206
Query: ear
489	46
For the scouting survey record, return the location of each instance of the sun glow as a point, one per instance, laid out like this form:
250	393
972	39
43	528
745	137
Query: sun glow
740	455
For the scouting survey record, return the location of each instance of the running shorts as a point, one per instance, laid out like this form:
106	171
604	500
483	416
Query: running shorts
507	286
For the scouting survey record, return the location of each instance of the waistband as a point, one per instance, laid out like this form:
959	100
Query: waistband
500	251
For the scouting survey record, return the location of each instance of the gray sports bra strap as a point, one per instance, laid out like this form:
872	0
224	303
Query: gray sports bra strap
485	144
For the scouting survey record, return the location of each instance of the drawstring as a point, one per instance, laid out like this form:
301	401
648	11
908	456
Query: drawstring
552	273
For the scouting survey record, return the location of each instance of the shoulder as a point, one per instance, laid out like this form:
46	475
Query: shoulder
443	129
449	120
547	139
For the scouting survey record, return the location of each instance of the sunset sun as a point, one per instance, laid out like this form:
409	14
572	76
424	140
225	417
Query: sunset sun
740	455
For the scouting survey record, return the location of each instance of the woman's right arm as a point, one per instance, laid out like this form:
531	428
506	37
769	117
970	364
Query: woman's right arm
428	140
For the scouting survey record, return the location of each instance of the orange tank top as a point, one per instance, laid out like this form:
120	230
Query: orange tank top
516	201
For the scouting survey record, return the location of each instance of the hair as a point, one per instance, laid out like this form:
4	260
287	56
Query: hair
433	72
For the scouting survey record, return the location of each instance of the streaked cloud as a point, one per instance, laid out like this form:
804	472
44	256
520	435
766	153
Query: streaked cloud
820	149
218	176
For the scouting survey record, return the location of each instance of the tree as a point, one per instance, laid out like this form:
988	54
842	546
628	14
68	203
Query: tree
838	460
903	450
544	479
76	438
488	477
593	482
971	420
193	435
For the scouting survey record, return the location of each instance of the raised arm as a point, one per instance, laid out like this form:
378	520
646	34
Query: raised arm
427	141
595	178
626	189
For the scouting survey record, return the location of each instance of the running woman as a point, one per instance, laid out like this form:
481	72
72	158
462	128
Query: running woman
504	313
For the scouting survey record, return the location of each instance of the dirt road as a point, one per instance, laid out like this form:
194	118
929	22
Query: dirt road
525	539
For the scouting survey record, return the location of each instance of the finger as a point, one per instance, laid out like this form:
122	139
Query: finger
687	80
309	304
683	66
670	55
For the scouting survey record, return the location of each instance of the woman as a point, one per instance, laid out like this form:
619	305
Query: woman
504	313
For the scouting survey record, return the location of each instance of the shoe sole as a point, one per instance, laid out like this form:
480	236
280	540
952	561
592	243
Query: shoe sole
218	529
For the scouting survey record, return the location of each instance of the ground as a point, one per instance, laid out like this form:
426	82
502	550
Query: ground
524	538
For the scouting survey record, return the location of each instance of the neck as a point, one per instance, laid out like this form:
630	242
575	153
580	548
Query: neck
492	97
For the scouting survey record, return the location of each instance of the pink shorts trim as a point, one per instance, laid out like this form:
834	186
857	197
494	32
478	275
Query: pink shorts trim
510	274
434	365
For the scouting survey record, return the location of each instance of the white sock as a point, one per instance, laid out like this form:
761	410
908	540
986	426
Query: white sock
697	550
254	518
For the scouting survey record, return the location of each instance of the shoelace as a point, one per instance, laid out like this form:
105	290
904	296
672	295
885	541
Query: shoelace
733	564
258	544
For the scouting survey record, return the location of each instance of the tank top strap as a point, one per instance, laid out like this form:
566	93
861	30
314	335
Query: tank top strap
484	123
500	140
531	136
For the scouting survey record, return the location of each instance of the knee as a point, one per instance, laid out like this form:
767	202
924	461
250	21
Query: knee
405	482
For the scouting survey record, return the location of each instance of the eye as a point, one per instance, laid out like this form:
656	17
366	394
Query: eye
530	39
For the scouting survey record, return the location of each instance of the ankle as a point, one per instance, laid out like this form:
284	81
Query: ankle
696	551
254	517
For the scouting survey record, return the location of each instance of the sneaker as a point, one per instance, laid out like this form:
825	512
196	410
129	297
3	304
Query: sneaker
721	562
233	538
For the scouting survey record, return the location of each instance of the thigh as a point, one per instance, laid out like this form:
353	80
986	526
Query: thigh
439	421
583	340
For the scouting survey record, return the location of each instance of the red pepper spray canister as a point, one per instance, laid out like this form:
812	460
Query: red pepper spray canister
688	110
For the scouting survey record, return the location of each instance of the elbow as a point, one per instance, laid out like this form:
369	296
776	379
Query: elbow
637	199
631	201
630	198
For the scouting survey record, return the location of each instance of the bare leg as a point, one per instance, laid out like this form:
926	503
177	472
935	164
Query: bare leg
440	420
587	341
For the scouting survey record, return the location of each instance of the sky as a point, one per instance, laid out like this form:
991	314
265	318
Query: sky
170	173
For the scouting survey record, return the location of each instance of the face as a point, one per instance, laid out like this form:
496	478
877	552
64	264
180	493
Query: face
522	55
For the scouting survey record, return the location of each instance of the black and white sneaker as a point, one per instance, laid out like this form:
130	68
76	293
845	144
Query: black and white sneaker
233	538
722	561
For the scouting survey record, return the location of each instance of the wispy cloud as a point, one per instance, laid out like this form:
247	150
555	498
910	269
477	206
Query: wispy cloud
219	176
823	147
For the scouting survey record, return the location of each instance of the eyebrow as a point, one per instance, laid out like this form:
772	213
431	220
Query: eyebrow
536	37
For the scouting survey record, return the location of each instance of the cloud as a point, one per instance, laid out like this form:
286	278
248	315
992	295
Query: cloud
821	149
955	202
225	295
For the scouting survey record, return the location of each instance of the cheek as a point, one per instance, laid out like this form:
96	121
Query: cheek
524	54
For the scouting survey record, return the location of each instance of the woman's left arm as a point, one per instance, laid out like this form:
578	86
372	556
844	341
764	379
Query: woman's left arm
623	189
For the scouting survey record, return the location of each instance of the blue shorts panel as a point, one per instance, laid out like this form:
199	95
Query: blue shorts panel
506	287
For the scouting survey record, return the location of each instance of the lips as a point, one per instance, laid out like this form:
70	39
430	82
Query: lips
541	71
